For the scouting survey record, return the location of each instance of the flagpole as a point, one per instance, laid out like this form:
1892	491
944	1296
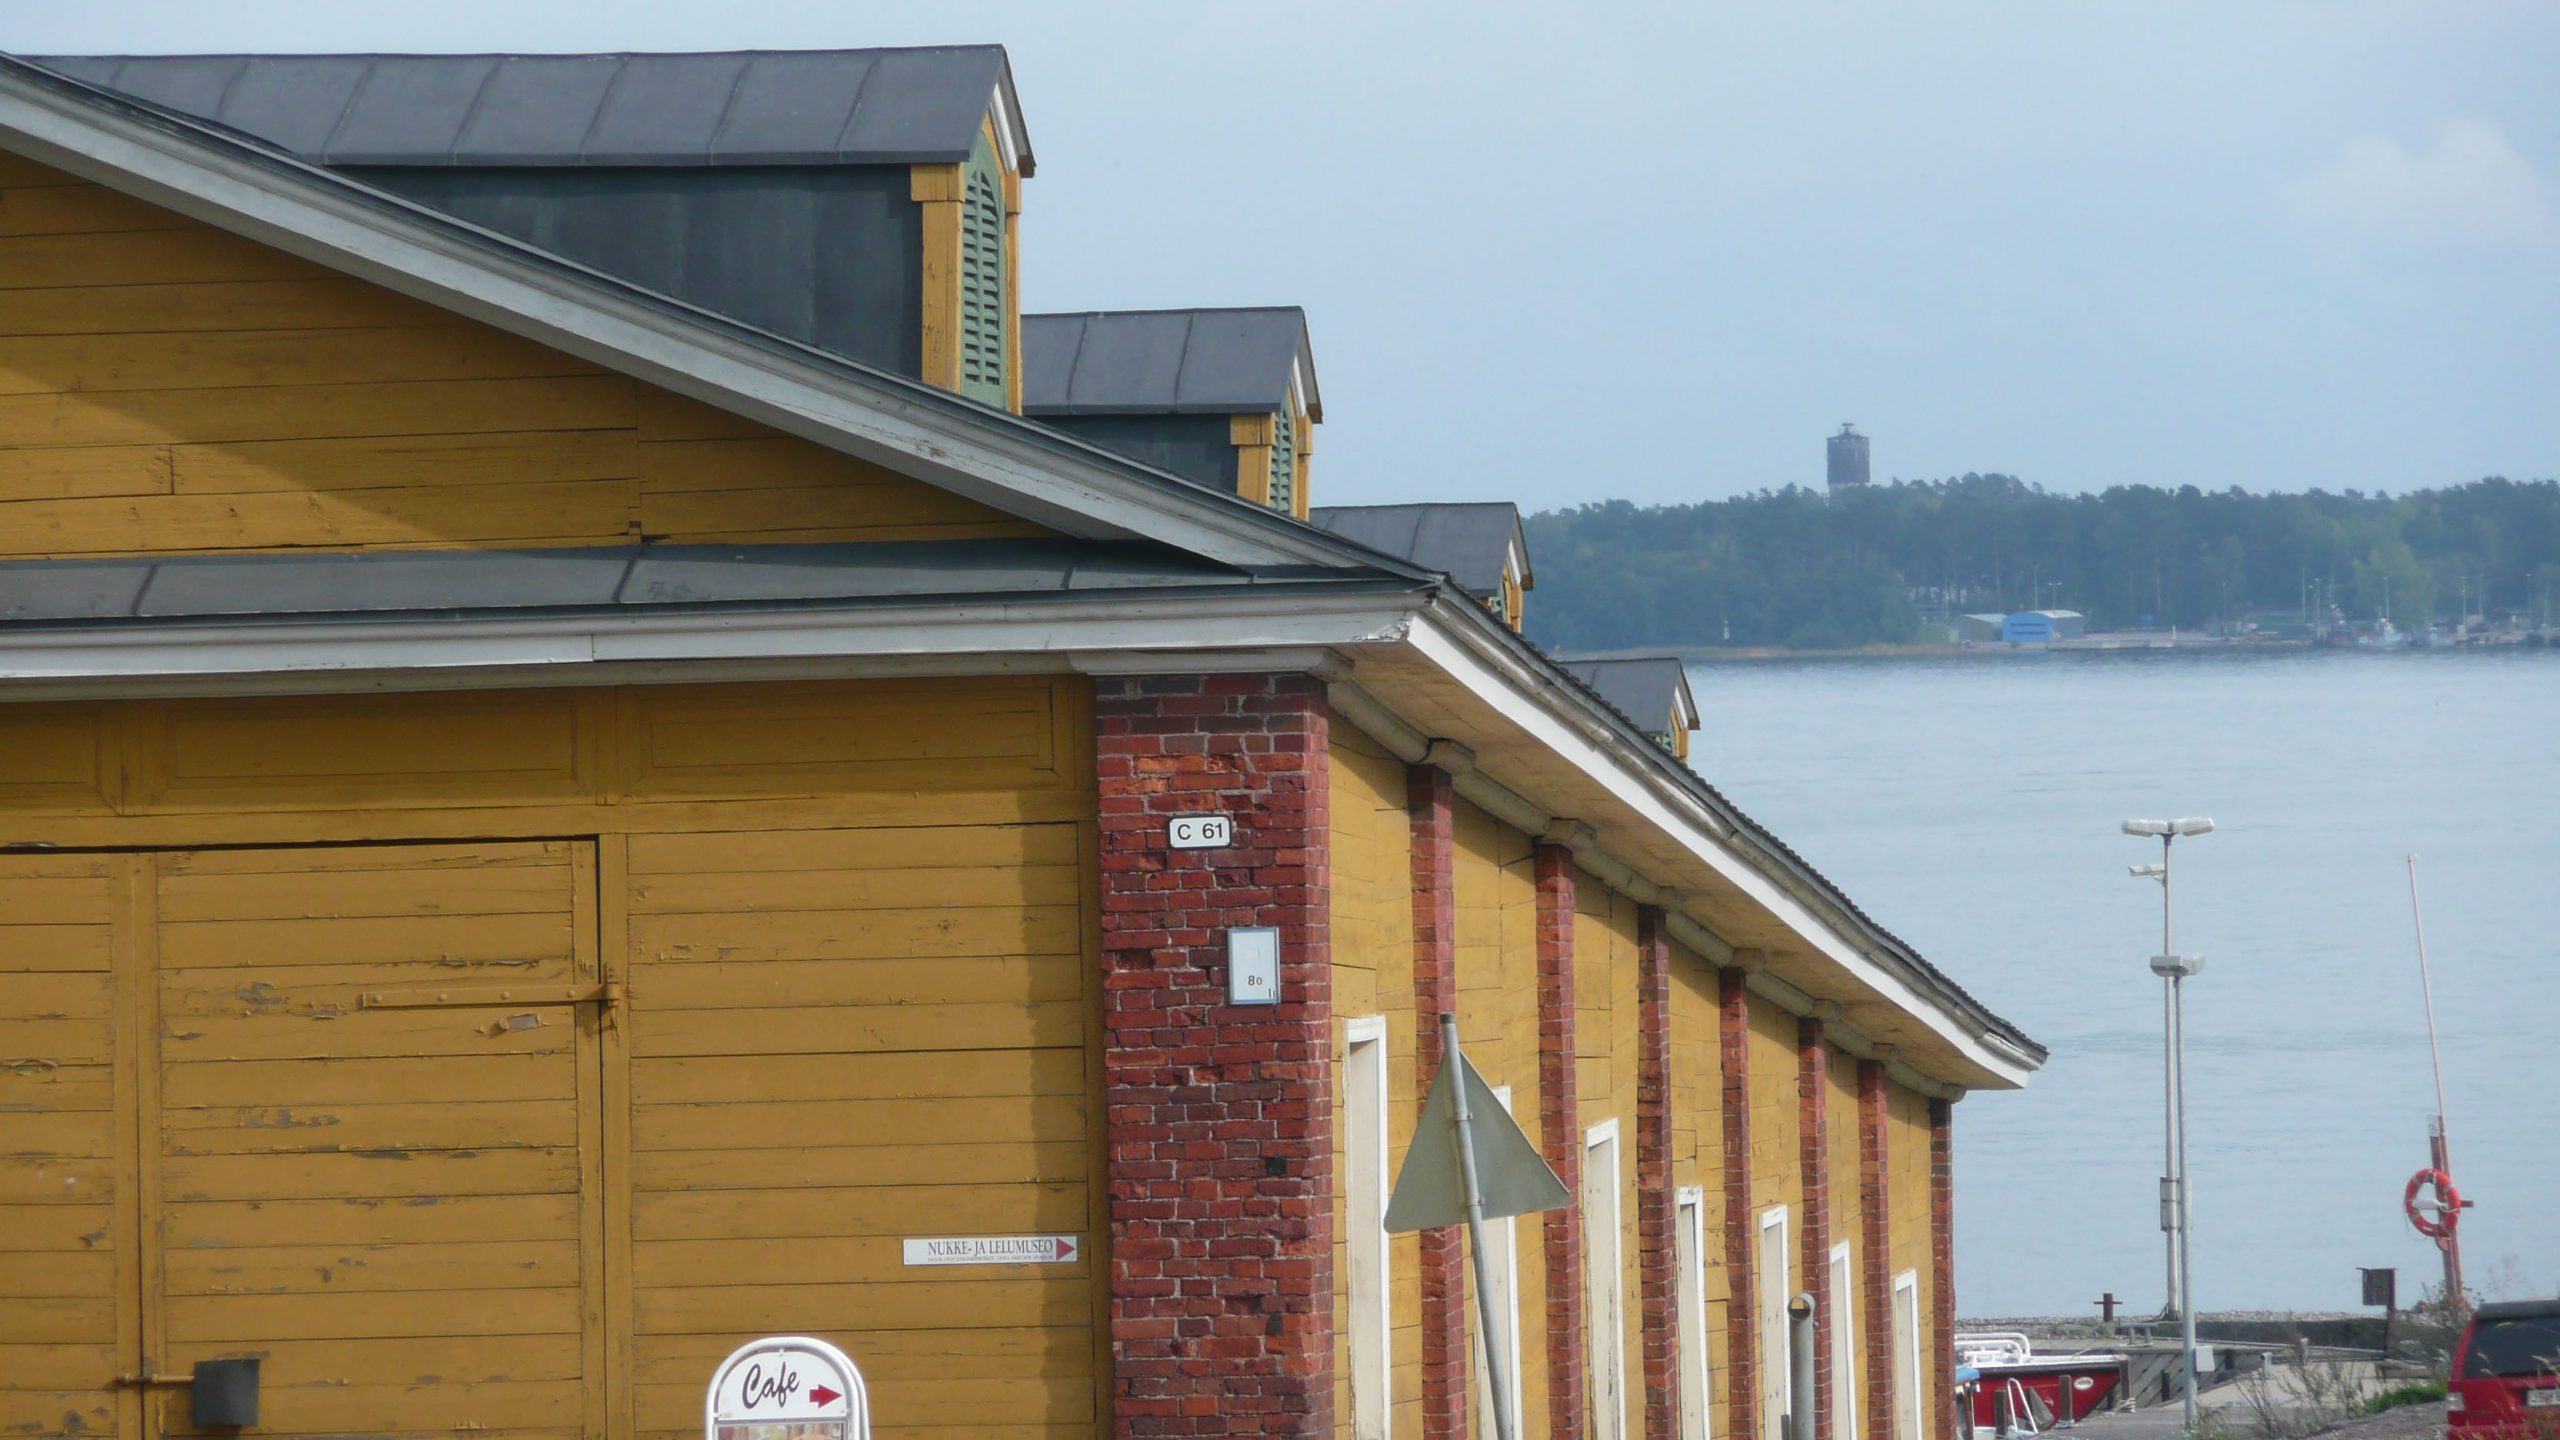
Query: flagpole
1503	1420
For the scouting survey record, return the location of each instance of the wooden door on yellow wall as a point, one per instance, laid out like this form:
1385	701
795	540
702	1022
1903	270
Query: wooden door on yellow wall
68	1243
362	1146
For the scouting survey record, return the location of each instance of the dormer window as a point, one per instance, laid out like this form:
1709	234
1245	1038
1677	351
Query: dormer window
983	342
1225	398
1284	462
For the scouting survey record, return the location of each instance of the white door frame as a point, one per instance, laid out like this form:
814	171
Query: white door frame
1603	1239
1689	1246
1841	1299
1776	1341
1366	1246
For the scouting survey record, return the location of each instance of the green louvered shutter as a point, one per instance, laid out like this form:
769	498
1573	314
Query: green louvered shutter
1284	461
982	259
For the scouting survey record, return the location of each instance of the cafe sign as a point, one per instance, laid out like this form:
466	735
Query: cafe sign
787	1387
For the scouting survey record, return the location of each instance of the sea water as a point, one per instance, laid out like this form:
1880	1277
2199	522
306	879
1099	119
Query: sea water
1972	805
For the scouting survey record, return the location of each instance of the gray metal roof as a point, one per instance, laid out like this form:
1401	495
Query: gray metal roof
746	107
1465	541
1648	689
1155	362
35	592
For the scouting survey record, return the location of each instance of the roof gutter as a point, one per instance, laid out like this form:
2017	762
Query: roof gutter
986	455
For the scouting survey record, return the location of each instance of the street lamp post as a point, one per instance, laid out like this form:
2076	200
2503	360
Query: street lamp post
2175	1196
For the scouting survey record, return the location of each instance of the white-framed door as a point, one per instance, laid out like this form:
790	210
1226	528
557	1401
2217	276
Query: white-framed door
1770	1272
1906	1355
1604	1277
1366	1252
1689	1253
1842	1301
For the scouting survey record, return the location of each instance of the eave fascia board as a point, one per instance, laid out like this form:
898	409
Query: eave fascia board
985	456
1625	766
1116	636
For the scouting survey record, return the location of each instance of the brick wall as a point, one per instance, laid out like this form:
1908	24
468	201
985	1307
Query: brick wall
1875	1218
1219	1119
1431	803
1742	1306
1940	1341
1560	1132
1813	1139
1657	1263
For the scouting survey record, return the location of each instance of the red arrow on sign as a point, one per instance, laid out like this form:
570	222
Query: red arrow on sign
1066	1248
821	1395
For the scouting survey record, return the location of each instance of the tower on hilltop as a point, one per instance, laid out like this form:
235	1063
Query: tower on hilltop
1848	457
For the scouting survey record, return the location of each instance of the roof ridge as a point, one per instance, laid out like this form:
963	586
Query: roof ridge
509	54
1167	310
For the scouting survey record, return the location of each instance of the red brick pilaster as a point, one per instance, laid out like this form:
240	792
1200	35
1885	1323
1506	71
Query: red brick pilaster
1742	1309
1875	1215
1939	1343
1813	1148
1219	1119
1430	807
1657	1264
1560	1130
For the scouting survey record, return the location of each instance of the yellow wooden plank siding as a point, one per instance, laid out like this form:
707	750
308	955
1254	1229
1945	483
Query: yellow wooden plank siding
1907	1168
1372	935
853	923
167	388
797	1113
1607	1048
65	1255
1497	951
1777	1156
1697	1149
316	1120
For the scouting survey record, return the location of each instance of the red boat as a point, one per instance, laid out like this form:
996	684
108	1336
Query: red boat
2009	1389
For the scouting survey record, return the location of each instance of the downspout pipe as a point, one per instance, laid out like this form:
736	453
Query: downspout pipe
1800	1358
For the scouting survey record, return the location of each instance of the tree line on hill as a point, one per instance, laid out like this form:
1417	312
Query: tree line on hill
1794	568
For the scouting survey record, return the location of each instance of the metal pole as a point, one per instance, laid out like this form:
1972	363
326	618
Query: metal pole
1503	1420
2440	1146
2186	1234
2168	1093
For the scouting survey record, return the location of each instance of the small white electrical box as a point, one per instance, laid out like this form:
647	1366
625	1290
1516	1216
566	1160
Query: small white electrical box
1253	966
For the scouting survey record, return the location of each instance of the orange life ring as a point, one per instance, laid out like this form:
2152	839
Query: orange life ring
2448	1204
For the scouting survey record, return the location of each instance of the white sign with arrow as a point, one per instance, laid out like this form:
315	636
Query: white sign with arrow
1483	1168
995	1250
787	1387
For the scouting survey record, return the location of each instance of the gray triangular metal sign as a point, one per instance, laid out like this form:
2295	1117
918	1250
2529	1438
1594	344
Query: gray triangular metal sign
1510	1173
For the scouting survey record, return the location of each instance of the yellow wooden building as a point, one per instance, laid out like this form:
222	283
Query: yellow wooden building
573	781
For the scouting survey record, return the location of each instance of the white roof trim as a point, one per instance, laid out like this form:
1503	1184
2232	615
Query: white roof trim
299	209
132	658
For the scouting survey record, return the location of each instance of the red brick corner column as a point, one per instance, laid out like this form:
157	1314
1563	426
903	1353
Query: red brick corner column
1560	1131
1430	806
1875	1214
1742	1307
1219	1119
1813	1138
1657	1263
1942	1267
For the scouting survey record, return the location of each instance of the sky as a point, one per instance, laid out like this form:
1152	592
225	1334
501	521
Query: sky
1564	254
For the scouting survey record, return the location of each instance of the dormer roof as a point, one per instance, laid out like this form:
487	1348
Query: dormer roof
1644	688
1470	542
1168	362
745	107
